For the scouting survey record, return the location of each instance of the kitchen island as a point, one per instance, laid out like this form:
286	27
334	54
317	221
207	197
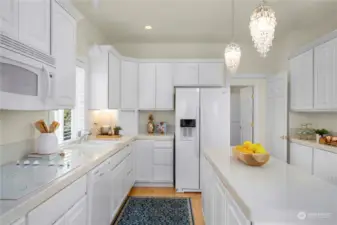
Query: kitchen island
277	193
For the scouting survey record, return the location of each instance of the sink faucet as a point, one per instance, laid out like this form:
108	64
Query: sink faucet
83	135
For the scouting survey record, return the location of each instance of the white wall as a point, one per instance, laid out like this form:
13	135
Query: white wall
251	62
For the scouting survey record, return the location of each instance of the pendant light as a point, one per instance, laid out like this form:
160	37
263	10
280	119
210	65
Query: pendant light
262	28
233	51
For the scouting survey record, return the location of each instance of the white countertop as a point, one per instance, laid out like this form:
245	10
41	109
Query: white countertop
313	144
12	210
276	192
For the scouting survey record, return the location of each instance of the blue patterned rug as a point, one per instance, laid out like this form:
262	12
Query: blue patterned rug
156	211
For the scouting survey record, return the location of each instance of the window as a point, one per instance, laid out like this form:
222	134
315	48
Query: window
72	120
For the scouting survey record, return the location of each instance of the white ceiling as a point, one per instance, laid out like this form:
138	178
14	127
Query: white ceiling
198	20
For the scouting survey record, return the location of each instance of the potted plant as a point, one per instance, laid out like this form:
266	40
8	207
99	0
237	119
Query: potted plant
117	129
320	133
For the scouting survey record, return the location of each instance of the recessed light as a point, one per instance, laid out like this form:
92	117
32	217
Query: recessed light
148	27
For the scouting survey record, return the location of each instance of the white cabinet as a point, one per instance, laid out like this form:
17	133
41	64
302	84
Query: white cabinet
21	221
147	86
144	154
325	165
302	81
186	74
211	74
114	81
164	86
155	86
9	17
77	215
61	221
34	24
154	162
64	51
325	75
302	157
129	85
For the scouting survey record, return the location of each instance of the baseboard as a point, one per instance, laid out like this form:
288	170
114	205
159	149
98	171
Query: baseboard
153	184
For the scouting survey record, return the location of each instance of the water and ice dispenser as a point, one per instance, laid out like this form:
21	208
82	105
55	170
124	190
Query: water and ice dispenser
186	128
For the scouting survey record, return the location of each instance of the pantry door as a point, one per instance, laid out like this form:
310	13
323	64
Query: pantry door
277	116
247	115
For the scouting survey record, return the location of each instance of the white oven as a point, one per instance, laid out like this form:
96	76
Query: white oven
27	77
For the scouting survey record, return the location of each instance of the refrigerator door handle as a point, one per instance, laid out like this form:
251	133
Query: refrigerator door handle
197	132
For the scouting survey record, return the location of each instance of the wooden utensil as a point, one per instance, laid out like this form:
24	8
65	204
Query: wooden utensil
54	126
41	126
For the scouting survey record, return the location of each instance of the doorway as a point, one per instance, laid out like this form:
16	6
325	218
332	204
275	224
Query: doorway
242	114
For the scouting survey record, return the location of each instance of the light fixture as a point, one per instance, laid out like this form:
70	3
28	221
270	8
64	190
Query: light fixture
262	28
148	27
233	51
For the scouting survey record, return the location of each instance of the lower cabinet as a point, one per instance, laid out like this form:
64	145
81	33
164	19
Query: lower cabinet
154	162
77	215
325	165
302	157
219	208
21	221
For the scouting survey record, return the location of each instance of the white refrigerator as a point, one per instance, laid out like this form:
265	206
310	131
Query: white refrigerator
202	121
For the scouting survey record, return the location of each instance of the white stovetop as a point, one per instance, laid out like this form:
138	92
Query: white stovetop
11	210
276	192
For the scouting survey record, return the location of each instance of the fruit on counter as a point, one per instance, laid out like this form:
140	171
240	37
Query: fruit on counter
249	147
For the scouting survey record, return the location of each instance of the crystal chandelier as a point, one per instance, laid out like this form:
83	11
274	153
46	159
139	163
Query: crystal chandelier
233	51
262	28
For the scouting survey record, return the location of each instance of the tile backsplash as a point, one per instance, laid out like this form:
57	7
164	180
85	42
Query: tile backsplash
159	116
318	120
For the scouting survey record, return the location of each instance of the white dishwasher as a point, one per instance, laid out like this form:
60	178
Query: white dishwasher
98	195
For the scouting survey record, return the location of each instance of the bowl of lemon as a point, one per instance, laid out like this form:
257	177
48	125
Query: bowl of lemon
251	154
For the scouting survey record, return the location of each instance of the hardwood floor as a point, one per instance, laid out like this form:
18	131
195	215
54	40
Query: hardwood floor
170	192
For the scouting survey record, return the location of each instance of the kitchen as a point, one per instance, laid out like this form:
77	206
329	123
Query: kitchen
102	67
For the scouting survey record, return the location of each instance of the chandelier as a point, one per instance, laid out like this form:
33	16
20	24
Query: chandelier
233	51
262	28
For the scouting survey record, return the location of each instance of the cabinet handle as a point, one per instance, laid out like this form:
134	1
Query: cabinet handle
101	174
96	172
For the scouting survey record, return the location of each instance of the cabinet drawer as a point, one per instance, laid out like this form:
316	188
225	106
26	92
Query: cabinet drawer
163	144
49	211
163	157
163	173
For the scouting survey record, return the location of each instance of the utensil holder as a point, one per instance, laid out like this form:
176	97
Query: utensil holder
47	143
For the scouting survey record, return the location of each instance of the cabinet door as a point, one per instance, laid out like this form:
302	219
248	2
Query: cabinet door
147	86
302	81
164	86
98	79
77	215
129	85
325	57
34	24
301	156
114	81
186	74
211	74
325	165
9	17
114	191
21	221
61	221
220	205
232	218
64	50
144	157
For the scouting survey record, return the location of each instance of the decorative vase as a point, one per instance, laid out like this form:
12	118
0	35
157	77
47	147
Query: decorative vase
150	125
318	137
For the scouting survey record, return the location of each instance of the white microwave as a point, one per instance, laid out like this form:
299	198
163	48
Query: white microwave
27	77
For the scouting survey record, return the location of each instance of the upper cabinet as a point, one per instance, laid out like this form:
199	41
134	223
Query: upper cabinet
186	74
9	17
34	24
211	74
129	81
156	89
147	86
164	86
325	75
199	74
64	51
114	81
98	78
302	77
